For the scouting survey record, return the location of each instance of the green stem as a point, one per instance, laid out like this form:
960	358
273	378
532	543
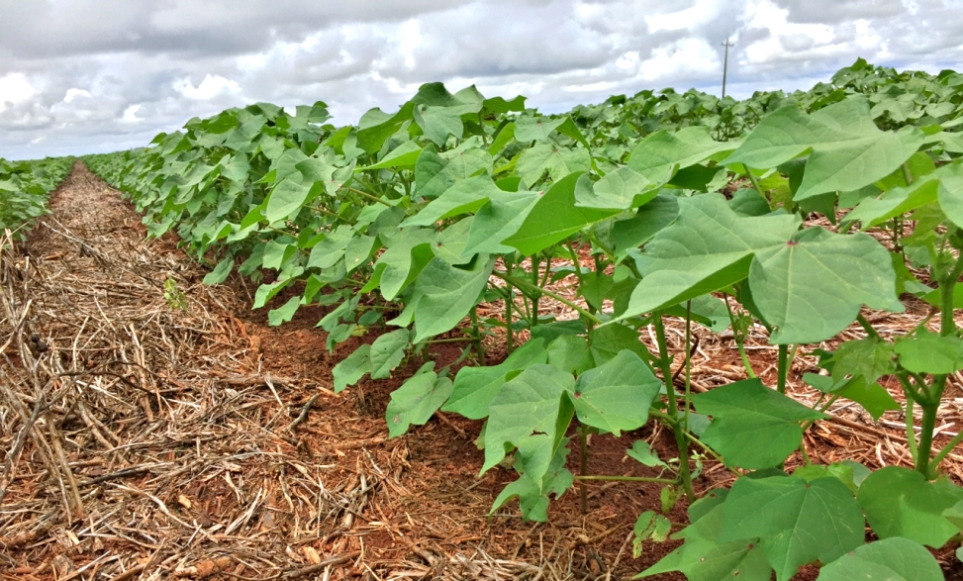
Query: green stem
525	284
510	345
926	439
945	451
947	286
740	340
369	196
783	368
673	409
535	296
910	433
688	363
755	182
867	326
583	495
477	335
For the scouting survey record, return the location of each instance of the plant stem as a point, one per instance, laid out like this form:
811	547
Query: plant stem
685	474
477	335
944	452
947	286
369	196
510	342
525	284
926	439
583	495
688	363
755	182
783	368
740	340
535	296
867	326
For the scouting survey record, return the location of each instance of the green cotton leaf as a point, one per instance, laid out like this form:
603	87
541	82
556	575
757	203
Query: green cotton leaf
927	352
622	189
533	497
662	153
950	194
499	219
703	558
387	351
570	353
895	559
438	123
954	514
871	396
286	199
643	453
352	368
330	250
528	412
277	253
435	173
402	157
812	287
475	387
608	341
357	251
558	161
753	426
707	248
220	272
899	502
284	313
402	262
536	128
463	197
616	395
799	522
647	222
848	151
868	358
554	218
416	401
444	295
895	202
266	292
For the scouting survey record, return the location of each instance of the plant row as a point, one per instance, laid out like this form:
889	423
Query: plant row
24	189
784	212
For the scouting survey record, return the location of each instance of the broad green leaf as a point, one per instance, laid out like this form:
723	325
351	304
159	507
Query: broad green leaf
895	202
643	453
570	353
401	263
463	197
403	156
798	522
893	559
927	352
848	151
331	249
661	154
439	122
352	368
416	401
533	496
444	295
387	351
441	171
950	194
286	199
707	248
616	395
812	287
703	558
558	161
475	387
266	292
357	251
554	218
608	341
753	426
647	222
527	411
622	189
220	272
498	220
276	253
536	128
284	313
899	502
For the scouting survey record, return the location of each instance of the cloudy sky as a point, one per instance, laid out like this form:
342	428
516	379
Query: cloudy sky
85	76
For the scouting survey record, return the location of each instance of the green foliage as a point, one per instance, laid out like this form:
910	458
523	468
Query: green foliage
414	218
24	189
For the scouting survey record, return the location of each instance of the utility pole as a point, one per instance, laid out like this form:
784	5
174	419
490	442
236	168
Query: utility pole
725	67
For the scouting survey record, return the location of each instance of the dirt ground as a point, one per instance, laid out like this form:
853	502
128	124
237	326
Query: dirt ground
156	428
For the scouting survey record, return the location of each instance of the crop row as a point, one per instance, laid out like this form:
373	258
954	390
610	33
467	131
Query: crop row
688	205
24	188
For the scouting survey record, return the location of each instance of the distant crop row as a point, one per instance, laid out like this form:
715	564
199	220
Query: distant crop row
690	207
24	189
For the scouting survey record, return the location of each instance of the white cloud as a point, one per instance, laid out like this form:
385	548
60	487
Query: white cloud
212	86
130	114
14	89
73	93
